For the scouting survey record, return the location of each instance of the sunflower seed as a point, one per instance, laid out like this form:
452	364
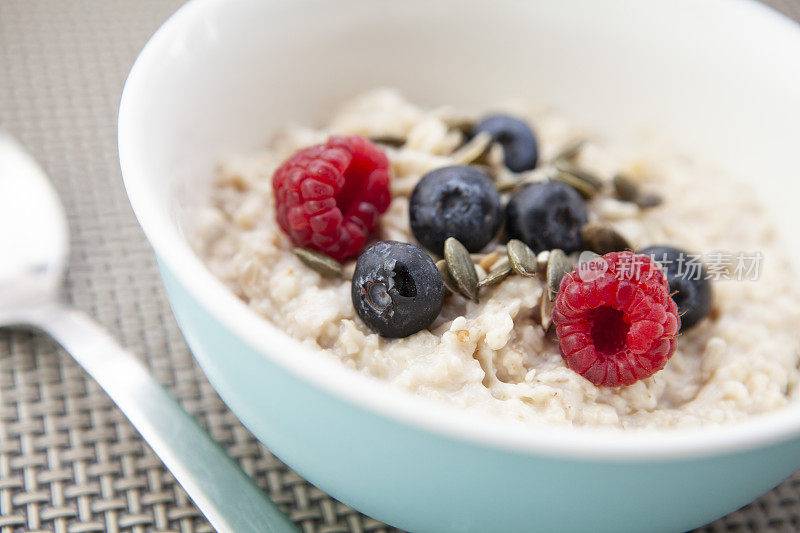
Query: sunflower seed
584	188
496	156
496	275
649	199
626	190
602	238
522	258
580	173
541	263
462	123
486	261
461	268
449	284
320	262
558	266
389	140
546	306
474	150
570	150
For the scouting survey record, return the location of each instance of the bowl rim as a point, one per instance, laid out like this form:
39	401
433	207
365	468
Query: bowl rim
371	394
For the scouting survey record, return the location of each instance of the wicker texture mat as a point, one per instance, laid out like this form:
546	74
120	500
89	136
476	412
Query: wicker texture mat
69	461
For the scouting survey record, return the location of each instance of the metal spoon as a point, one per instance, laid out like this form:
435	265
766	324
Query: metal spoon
33	250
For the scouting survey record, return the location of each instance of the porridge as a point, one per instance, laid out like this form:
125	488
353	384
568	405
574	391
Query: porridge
489	347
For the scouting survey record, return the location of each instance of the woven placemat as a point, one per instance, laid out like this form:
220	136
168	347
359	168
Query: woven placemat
69	460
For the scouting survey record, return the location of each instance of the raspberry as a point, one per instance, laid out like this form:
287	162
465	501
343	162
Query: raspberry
328	197
616	321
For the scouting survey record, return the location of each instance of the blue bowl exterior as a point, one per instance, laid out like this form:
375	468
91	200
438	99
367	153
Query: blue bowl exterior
421	481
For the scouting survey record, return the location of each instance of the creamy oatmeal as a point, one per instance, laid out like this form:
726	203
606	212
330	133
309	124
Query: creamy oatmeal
494	356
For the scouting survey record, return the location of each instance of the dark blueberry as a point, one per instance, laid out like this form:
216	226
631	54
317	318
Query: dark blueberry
517	138
687	279
546	215
458	202
397	289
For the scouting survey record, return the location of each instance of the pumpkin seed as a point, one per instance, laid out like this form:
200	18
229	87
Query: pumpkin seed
461	268
318	261
626	190
506	181
586	257
546	306
558	266
496	275
389	140
602	238
584	188
449	284
649	199
580	173
474	150
570	150
522	258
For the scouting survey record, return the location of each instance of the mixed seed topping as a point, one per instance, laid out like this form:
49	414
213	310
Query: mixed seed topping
461	268
522	258
459	214
319	262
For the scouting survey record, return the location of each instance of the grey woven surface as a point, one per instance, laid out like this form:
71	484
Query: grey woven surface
69	461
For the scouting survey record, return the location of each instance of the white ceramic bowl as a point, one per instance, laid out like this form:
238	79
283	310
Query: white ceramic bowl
719	77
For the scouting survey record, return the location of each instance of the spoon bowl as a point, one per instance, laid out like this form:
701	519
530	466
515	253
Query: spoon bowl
33	227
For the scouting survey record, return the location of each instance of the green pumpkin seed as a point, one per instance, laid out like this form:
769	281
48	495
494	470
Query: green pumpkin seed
586	257
584	188
318	261
522	258
570	150
461	268
602	238
580	173
648	200
449	284
626	190
558	266
506	184
389	140
474	150
496	275
506	181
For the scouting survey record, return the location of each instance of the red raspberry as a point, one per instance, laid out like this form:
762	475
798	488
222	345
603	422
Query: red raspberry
328	197
615	320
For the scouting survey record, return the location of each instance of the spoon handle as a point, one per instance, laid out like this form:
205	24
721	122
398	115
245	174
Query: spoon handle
227	497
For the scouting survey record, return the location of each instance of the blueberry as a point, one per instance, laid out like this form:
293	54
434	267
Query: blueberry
458	202
397	289
687	279
546	215
518	141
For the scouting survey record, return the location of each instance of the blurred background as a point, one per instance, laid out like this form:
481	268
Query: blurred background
69	461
